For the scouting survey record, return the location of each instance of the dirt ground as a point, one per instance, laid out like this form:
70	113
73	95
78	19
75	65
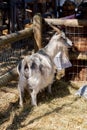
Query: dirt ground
60	111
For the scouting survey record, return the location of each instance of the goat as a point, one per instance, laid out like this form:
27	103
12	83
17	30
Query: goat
36	71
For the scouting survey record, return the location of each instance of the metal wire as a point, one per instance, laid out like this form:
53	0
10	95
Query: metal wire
78	71
10	55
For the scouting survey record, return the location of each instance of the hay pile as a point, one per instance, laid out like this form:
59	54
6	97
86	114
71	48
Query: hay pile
59	111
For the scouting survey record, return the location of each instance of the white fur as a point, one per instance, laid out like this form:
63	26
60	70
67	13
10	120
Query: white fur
37	71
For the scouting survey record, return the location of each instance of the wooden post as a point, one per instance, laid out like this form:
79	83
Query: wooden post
37	29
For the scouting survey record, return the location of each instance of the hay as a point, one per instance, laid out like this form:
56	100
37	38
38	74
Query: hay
59	111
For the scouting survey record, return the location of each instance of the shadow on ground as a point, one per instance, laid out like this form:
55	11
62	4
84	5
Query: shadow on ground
59	89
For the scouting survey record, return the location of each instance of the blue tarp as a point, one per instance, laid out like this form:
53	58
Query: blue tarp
82	91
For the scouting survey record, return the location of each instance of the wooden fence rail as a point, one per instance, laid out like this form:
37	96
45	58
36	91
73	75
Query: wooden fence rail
9	38
67	22
9	76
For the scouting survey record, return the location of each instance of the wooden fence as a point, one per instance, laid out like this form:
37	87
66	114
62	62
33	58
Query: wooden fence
36	30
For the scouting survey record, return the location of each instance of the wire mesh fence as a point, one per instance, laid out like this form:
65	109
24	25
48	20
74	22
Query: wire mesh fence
11	54
78	71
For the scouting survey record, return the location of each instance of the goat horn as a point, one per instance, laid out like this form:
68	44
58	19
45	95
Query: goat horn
55	28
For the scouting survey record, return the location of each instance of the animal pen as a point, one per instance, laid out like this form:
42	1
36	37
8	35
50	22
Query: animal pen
14	46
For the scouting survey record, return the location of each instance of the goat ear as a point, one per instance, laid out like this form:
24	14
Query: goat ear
69	41
63	35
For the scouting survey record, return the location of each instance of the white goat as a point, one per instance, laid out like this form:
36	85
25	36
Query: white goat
36	72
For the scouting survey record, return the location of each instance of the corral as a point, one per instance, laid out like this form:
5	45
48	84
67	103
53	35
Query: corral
61	110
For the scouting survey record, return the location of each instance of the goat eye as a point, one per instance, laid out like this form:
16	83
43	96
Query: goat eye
65	39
